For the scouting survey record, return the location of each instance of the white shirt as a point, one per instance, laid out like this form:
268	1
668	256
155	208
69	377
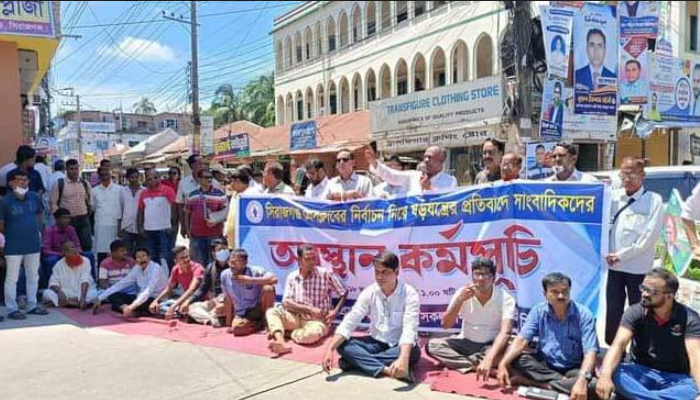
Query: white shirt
106	203
636	230
45	173
386	191
256	186
482	323
70	279
188	185
394	319
317	191
356	182
691	207
150	283
53	179
410	180
4	171
130	208
576	176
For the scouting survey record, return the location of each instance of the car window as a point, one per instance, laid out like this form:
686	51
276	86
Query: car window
664	186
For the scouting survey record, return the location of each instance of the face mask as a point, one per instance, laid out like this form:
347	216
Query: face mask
21	191
222	255
558	169
74	260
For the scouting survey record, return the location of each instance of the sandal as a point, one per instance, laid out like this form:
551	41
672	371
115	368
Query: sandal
38	311
16	315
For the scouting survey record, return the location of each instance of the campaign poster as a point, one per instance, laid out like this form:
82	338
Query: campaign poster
634	71
639	18
596	60
557	24
675	239
553	109
674	91
538	160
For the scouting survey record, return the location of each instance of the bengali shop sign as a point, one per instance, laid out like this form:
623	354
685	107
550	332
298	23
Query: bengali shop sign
27	18
529	229
232	145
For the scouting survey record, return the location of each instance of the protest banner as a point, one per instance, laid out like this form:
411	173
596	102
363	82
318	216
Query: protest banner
596	60
529	229
557	27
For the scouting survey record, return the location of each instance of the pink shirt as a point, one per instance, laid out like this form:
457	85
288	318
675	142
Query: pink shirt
184	279
113	271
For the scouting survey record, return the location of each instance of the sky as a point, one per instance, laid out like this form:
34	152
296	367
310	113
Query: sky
115	61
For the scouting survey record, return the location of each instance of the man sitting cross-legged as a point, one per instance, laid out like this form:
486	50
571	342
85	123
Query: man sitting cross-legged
393	308
207	304
250	293
187	275
71	284
150	279
487	316
567	347
306	305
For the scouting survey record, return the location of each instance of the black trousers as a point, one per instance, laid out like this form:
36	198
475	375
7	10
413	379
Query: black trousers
621	286
82	227
531	367
118	300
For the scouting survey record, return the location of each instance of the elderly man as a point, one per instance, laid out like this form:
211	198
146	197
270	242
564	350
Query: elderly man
491	154
306	305
318	181
393	308
106	204
487	315
273	178
567	347
415	182
511	165
71	283
636	227
564	157
348	185
250	293
665	352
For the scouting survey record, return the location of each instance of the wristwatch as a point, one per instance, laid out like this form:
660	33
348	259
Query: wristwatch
588	376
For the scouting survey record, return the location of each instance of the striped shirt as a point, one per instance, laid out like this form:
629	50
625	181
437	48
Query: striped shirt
201	205
315	290
75	198
113	271
156	204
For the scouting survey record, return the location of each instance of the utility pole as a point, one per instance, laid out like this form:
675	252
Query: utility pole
80	130
522	36
197	124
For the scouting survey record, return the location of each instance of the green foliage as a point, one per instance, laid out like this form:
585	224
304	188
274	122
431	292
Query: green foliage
145	106
255	103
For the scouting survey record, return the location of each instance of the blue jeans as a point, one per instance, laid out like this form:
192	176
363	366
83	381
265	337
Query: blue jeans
200	250
159	245
371	356
634	381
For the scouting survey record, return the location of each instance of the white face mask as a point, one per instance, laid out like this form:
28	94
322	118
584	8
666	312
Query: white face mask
21	191
222	255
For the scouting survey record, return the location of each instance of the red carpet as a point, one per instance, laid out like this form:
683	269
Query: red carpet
427	370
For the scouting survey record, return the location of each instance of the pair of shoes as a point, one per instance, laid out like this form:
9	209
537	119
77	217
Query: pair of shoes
16	315
38	311
344	365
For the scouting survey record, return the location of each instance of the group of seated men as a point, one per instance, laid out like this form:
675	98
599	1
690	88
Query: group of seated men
556	347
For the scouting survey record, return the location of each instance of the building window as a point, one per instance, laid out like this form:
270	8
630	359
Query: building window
172	123
401	11
142	125
693	33
419	8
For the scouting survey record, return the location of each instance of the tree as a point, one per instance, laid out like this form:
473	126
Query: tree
258	101
144	106
225	107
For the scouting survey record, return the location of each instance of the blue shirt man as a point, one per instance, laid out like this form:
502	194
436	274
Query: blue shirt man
567	347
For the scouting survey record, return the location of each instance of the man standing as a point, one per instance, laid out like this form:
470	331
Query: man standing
71	283
149	278
188	185
635	229
59	172
589	76
20	220
386	191
26	160
206	306
393	308
106	204
306	304
318	181
567	347
43	170
129	202
187	275
250	293
415	182
491	153
487	315
511	164
10	166
665	351
73	194
348	185
273	178
555	111
240	183
155	217
205	211
564	158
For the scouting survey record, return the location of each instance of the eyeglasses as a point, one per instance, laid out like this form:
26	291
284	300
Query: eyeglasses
206	177
172	173
652	292
342	159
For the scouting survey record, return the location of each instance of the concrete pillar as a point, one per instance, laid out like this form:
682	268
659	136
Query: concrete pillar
11	135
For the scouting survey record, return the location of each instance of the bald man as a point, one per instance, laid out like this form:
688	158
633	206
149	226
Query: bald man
416	182
511	164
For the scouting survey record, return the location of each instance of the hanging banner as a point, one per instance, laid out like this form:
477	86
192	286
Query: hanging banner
233	145
596	60
674	236
572	126
529	229
674	91
557	26
639	18
303	136
207	135
538	160
634	71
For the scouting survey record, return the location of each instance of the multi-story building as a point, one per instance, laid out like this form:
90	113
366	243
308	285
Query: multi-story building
137	123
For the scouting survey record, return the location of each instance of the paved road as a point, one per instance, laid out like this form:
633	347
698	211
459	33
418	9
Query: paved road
53	358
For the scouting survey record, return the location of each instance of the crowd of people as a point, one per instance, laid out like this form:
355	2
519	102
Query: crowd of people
72	242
